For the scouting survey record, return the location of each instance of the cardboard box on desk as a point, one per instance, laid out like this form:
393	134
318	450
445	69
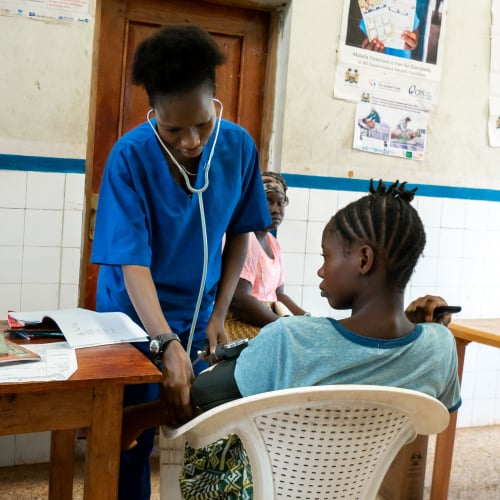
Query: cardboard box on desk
406	476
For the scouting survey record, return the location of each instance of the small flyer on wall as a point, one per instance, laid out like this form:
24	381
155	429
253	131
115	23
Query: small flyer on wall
391	47
43	10
392	128
494	118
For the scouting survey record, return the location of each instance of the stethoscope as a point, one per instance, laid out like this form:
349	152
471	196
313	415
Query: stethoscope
177	164
199	192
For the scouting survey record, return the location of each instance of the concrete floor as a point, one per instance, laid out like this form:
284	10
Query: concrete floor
475	473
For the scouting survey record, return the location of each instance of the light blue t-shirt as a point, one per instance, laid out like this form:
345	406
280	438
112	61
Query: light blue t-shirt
300	352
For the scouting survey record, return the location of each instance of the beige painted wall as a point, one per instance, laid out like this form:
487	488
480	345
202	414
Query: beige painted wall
318	129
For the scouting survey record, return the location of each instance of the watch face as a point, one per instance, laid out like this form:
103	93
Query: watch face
154	346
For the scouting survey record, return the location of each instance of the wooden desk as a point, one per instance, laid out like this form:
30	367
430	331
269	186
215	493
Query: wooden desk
484	331
92	398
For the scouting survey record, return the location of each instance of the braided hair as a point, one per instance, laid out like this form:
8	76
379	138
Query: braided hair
387	222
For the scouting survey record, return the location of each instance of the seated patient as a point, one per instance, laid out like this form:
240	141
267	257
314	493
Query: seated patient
370	249
260	291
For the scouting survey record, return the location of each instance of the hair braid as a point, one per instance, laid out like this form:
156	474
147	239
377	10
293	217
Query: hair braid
387	222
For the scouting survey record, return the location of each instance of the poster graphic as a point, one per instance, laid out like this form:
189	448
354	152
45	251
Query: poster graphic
391	128
43	10
392	47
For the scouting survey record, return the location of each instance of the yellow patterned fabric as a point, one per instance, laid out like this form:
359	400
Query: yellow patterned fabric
237	329
218	471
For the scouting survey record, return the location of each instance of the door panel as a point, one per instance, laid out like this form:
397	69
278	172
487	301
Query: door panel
243	35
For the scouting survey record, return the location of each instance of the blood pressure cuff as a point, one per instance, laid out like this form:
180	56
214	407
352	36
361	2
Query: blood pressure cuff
215	385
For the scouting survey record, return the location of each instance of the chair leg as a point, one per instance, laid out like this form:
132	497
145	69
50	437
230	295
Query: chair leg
171	463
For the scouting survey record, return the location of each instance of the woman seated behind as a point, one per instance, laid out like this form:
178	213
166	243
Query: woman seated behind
260	292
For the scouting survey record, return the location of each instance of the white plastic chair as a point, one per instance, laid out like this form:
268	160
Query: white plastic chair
322	442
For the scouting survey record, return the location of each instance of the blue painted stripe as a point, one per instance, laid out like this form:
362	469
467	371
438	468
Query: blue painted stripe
42	164
361	185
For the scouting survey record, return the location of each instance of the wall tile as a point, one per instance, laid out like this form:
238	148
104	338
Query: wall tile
430	210
322	205
426	272
475	243
433	237
41	265
292	236
314	237
448	273
12	189
10	298
32	448
68	296
450	242
476	214
74	193
311	265
314	303
70	266
453	213
12	224
293	263
483	412
298	207
295	292
11	259
346	197
43	228
37	297
7	447
72	228
45	190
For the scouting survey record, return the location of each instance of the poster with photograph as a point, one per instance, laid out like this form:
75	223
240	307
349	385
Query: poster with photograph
393	48
392	128
48	10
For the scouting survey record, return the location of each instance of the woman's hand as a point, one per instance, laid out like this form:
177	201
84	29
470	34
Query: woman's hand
421	310
411	39
178	377
375	45
216	333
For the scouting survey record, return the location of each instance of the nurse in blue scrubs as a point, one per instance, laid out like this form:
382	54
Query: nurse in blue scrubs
172	188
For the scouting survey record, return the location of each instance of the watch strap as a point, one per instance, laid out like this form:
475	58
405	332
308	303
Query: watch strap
159	343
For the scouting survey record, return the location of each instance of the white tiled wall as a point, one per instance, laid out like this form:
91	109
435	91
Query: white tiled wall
460	263
40	247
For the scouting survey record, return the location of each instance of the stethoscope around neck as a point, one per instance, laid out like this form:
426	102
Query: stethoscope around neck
199	192
178	165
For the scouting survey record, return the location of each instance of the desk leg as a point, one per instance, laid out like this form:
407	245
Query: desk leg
445	441
62	458
103	444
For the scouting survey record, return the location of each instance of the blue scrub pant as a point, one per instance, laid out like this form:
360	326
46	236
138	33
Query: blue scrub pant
135	472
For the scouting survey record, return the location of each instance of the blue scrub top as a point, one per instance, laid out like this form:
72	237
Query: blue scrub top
145	218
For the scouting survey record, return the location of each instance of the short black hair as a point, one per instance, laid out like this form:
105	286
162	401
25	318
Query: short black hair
387	222
176	59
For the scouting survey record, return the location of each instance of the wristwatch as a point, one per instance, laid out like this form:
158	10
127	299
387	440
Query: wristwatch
158	345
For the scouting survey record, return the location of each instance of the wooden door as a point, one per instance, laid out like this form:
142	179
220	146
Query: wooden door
243	83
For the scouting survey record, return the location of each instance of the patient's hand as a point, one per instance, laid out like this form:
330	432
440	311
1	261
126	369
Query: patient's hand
421	310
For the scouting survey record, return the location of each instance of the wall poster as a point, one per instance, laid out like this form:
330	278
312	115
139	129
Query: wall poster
494	118
55	10
390	59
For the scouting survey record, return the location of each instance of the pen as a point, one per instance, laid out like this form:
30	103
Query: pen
21	335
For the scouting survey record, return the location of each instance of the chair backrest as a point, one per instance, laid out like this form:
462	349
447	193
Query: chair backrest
323	442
